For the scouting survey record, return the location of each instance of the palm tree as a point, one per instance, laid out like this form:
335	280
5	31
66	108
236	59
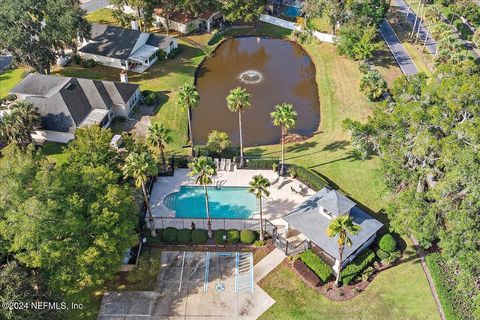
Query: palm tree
373	85
18	124
159	137
258	186
342	226
188	98
141	166
285	117
203	169
237	101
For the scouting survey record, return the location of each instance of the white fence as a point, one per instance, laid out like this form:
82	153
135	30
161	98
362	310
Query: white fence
324	37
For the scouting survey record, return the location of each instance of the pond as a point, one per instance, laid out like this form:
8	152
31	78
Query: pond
273	71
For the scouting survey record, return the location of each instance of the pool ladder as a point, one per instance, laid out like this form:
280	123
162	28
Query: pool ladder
243	272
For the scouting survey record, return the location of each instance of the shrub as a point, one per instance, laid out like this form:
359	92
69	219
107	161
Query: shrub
175	52
382	254
275	166
233	236
90	63
170	234
259	243
293	172
367	273
260	163
77	59
184	235
247	236
310	178
353	270
320	268
387	243
218	236
373	85
146	268
307	273
180	162
150	99
392	257
218	141
199	236
205	151
452	300
11	97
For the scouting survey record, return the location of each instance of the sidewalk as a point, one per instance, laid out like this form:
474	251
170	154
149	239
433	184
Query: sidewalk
267	264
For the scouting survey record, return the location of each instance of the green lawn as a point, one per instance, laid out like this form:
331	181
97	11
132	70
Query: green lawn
53	152
103	16
9	79
401	292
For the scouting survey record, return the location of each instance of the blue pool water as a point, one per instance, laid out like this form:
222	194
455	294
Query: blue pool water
226	202
292	12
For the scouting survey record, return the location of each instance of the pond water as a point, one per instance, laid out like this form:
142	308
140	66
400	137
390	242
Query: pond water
273	71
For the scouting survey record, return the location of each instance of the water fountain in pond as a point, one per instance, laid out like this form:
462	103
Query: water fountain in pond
251	77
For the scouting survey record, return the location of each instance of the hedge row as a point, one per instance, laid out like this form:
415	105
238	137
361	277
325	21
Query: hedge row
266	164
204	151
307	273
355	268
320	268
200	236
447	295
310	178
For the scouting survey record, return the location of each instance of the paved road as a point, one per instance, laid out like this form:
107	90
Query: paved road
93	5
403	7
5	62
397	49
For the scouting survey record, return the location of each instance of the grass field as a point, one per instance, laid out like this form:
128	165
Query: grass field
9	79
396	293
103	16
54	152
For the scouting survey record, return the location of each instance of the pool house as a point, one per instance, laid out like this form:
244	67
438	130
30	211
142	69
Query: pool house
312	218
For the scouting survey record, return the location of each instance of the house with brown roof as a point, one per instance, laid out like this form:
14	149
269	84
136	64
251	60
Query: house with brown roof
184	22
66	104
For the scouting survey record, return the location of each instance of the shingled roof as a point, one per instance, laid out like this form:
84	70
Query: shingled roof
120	43
308	219
64	103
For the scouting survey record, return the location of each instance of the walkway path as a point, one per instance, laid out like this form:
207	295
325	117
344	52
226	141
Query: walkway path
397	49
267	264
404	9
421	255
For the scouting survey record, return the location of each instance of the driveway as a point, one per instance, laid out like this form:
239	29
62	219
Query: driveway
92	5
397	49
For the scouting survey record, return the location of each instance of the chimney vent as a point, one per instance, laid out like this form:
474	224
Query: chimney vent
124	76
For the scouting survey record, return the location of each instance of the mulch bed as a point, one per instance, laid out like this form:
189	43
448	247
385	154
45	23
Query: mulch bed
342	293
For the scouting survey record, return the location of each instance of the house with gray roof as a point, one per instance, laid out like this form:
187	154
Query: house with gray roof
312	218
127	49
66	104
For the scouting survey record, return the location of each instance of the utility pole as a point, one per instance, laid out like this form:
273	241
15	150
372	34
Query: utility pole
415	24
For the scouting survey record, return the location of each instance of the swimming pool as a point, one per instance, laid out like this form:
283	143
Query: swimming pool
291	12
224	202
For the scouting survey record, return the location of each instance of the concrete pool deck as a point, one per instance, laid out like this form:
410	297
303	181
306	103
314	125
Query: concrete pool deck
281	201
180	293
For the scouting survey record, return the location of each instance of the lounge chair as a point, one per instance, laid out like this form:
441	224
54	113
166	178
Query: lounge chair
294	190
275	181
227	164
222	165
217	163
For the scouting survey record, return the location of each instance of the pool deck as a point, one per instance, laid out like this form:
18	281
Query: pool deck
281	201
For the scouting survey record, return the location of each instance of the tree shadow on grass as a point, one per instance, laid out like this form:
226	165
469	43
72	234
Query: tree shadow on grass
300	147
163	98
336	145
